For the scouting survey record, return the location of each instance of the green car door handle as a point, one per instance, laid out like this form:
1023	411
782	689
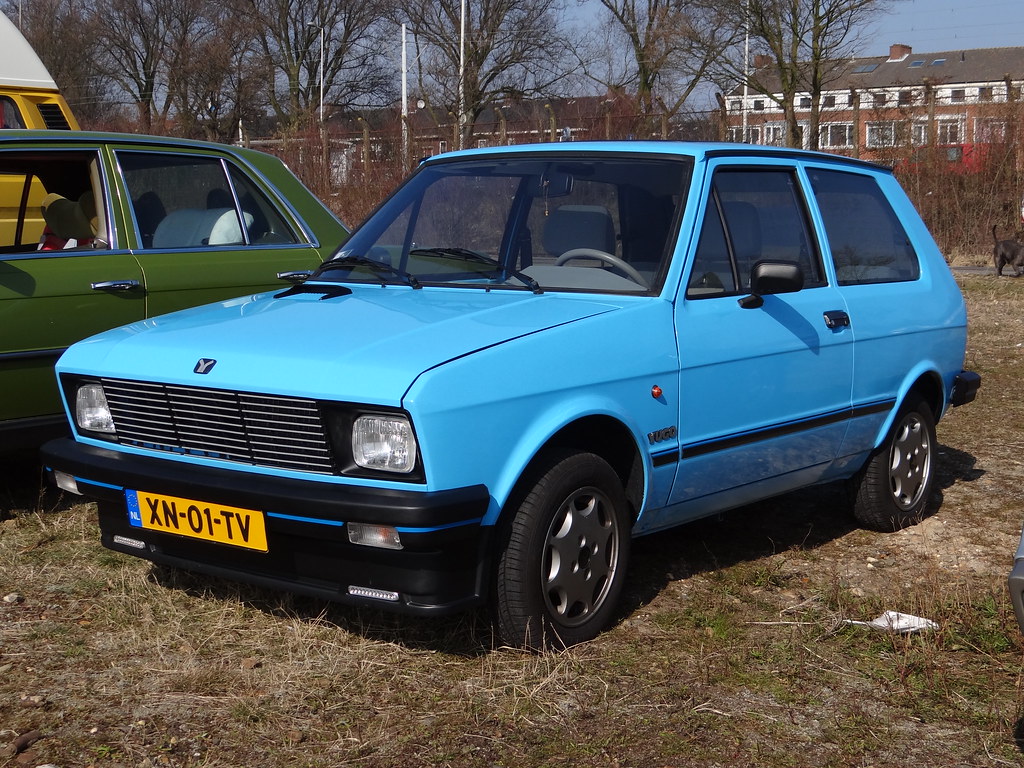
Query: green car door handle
295	276
115	285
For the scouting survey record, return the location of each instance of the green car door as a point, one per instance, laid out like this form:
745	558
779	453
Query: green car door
100	230
207	227
54	289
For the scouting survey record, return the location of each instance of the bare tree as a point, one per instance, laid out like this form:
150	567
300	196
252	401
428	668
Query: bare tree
290	37
49	25
512	48
143	44
668	48
221	83
807	42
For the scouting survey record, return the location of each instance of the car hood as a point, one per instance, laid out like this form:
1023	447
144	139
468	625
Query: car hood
366	346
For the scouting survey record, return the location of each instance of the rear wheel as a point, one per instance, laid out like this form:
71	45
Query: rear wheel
893	488
564	555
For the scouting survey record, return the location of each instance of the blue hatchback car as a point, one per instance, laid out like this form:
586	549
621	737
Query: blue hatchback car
524	358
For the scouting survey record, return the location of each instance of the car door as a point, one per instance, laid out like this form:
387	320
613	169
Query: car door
764	387
205	228
55	289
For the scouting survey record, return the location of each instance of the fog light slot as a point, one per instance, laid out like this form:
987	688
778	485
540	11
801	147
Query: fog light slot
374	594
66	482
382	536
124	541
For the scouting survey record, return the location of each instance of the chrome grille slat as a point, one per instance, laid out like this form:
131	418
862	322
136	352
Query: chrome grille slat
261	430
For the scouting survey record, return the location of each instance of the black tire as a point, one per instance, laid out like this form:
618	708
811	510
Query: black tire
564	554
894	486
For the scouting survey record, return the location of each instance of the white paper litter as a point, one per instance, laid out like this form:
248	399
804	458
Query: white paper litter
894	621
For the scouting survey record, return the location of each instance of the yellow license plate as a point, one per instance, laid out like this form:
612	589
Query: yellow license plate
198	519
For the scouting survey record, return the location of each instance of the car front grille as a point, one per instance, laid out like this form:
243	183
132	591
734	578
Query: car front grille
262	430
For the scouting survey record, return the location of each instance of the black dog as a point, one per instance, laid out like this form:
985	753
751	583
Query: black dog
1007	253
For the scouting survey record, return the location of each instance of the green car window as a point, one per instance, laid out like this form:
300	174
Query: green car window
50	201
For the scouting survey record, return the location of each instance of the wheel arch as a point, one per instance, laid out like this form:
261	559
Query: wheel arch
926	384
602	435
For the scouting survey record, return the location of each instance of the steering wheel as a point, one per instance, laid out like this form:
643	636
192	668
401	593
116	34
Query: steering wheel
607	258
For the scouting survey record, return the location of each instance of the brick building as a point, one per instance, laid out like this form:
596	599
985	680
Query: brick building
887	107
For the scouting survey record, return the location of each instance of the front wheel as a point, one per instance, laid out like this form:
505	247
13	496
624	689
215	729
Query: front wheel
892	490
564	554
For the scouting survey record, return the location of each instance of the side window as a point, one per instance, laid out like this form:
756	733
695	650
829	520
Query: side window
752	215
181	201
51	201
263	221
868	243
712	269
11	115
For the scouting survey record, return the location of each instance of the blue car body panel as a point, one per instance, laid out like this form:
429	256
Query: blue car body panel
702	399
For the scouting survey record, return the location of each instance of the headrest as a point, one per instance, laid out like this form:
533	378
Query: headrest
69	219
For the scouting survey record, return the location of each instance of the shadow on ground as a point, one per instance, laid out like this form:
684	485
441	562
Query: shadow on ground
803	520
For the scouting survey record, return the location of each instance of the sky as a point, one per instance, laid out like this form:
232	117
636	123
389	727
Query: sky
946	25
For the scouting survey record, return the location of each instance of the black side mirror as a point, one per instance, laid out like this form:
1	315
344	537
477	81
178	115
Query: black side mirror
770	277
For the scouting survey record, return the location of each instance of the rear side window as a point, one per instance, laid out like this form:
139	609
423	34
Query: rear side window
193	201
867	240
752	215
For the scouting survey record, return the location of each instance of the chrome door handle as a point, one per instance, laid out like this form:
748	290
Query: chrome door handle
295	276
115	285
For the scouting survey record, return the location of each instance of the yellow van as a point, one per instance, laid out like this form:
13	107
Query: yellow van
29	97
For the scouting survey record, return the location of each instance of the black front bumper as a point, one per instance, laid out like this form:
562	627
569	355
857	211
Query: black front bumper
442	567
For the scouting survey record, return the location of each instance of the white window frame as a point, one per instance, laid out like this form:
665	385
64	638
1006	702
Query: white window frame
825	135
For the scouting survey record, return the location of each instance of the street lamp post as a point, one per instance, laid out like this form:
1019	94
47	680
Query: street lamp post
462	71
321	27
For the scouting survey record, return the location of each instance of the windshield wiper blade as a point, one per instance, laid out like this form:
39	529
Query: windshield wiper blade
467	255
378	268
460	253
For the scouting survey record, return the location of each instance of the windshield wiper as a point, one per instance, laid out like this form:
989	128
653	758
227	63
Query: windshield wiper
467	255
460	253
378	268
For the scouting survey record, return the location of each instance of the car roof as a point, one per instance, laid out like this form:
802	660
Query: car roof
92	138
20	67
694	149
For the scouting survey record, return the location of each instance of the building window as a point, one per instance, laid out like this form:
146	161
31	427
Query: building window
957	96
989	130
949	132
985	93
919	133
882	134
736	106
442	147
829	102
805	102
753	134
775	134
836	135
906	98
759	105
879	99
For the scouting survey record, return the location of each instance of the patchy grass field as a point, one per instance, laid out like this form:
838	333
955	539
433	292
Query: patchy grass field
732	648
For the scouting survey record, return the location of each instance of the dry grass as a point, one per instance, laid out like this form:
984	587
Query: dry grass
732	649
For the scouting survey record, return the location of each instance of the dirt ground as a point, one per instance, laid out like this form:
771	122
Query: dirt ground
734	645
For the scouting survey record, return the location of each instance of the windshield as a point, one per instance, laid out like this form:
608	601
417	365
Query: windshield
603	224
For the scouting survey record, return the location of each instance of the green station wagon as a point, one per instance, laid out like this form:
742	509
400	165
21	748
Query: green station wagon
99	230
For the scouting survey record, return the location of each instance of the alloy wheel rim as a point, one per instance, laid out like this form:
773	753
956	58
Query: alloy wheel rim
581	553
911	462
